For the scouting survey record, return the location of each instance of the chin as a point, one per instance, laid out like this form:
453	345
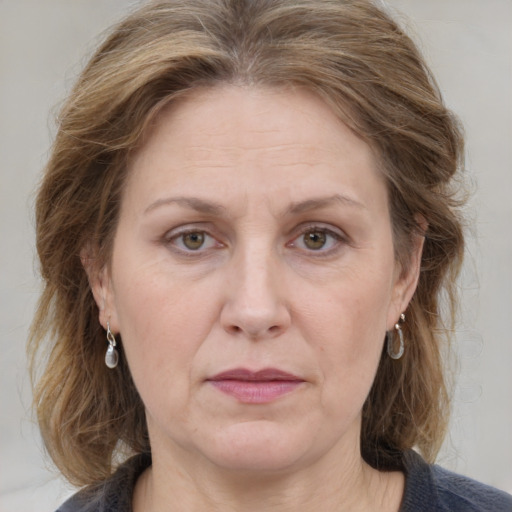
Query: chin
258	446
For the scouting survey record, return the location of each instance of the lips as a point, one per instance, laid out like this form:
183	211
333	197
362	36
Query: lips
258	387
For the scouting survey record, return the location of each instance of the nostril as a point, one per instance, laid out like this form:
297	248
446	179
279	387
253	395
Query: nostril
274	330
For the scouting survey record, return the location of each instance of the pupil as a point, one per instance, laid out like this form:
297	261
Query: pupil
314	240
193	240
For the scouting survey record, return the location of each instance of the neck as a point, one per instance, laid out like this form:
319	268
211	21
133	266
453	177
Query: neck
341	485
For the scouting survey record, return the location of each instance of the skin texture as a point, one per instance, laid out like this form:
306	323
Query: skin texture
259	176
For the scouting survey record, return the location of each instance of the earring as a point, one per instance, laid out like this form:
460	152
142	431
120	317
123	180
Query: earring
390	339
111	356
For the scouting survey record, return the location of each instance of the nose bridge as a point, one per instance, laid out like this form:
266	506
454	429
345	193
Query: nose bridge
255	270
255	303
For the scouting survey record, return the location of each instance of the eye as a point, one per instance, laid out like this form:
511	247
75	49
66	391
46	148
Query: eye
318	239
315	240
193	241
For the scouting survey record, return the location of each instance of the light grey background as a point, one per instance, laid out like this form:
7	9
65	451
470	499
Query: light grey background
468	43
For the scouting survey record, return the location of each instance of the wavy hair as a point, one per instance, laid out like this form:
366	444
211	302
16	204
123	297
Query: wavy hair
358	60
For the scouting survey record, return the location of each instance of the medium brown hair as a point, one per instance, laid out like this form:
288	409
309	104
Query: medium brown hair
351	54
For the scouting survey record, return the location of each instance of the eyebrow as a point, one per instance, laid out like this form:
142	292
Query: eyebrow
323	202
193	203
212	208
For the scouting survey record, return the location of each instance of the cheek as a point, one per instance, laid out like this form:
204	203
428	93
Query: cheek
163	322
351	313
346	324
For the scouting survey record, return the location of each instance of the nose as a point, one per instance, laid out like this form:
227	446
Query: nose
256	299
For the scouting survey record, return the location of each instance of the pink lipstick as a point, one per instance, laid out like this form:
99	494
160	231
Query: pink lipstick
258	387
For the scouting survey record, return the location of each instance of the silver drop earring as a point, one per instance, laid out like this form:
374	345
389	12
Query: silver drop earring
111	356
390	340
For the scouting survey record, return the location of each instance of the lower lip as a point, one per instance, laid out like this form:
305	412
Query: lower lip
256	392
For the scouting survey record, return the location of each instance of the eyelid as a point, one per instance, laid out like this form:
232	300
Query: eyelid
330	230
174	234
188	227
321	226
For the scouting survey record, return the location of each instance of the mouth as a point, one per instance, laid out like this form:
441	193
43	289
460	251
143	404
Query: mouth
258	387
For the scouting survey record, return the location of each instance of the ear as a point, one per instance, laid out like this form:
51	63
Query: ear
406	279
101	286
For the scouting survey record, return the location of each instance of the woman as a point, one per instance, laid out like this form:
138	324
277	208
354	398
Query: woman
245	229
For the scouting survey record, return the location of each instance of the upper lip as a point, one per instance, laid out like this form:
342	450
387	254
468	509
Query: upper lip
264	375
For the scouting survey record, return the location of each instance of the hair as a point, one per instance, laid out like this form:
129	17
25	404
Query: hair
356	58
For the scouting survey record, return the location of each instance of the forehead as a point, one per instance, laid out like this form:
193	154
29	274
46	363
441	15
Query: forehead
237	113
250	137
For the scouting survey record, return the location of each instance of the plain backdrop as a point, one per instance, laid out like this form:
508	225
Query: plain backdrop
468	43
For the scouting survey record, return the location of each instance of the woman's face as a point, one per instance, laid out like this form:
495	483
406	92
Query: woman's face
253	279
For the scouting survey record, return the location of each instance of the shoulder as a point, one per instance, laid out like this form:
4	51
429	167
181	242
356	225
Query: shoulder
434	489
113	495
468	494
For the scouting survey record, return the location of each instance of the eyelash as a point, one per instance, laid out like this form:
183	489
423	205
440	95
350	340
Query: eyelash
337	238
171	240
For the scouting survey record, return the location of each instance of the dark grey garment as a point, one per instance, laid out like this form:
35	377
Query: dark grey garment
434	489
427	489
